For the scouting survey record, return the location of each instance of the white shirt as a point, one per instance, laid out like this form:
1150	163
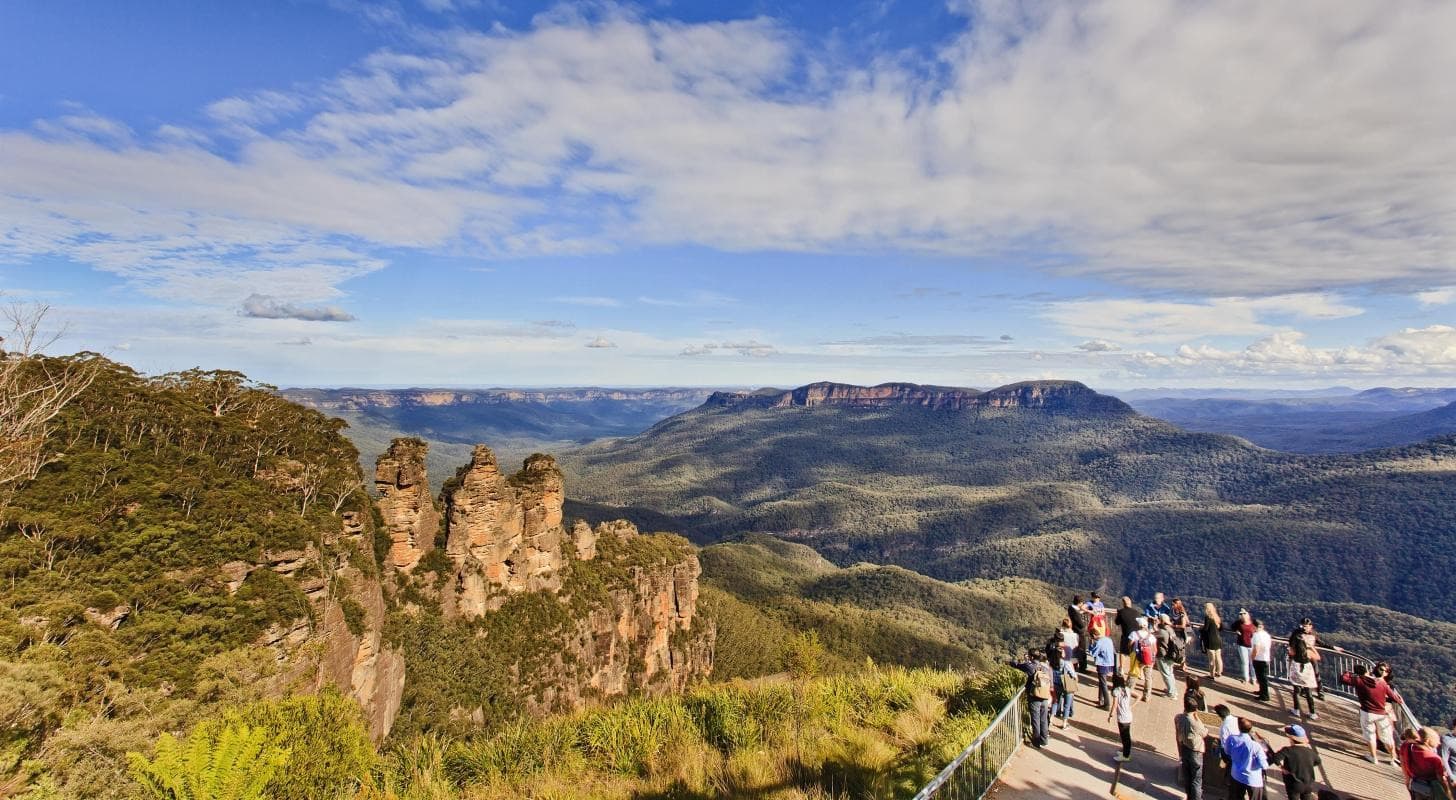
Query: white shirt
1122	699
1069	643
1262	644
1229	728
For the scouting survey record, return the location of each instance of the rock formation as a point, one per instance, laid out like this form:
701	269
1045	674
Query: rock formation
405	503
504	536
1046	395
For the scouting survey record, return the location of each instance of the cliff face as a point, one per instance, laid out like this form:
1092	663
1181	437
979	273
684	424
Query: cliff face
1045	395
405	504
364	399
504	535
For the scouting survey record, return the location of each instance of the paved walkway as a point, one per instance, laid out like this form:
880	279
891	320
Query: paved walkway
1079	761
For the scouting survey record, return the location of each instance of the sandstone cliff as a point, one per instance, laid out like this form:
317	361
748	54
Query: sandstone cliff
405	503
1045	395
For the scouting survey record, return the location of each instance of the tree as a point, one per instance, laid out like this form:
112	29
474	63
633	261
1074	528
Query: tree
217	762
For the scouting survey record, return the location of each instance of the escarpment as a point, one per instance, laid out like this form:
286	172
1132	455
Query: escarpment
1068	396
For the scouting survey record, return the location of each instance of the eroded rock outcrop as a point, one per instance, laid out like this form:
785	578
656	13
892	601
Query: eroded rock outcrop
1064	396
405	503
504	535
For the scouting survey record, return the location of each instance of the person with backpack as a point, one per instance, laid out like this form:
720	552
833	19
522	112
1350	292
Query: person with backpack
1104	660
1375	696
1212	639
1262	652
1189	732
1122	710
1298	762
1144	655
1038	695
1302	678
1447	751
1170	651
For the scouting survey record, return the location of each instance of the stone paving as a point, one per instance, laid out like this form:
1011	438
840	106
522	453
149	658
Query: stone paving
1079	761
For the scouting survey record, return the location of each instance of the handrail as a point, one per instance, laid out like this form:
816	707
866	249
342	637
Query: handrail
981	779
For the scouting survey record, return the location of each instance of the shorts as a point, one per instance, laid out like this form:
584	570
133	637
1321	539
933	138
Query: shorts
1372	725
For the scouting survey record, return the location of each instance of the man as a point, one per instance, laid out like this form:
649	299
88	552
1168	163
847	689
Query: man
1145	655
1169	648
1247	762
1157	608
1261	651
1079	618
1228	728
1448	751
1127	624
1189	732
1375	696
1038	695
1104	660
1298	762
1243	627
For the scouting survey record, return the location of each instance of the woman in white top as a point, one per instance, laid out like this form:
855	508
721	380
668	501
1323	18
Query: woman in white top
1122	709
1262	647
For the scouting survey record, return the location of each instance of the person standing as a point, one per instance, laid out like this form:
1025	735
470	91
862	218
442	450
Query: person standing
1261	651
1144	657
1127	624
1038	695
1298	762
1078	616
1157	608
1375	695
1189	732
1212	638
1195	694
1180	619
1104	660
1122	710
1302	678
1247	762
1447	751
1425	775
1243	629
1169	648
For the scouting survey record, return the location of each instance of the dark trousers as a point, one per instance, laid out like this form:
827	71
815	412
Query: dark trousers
1041	720
1104	692
1192	772
1238	791
1124	730
1261	674
1300	791
1299	691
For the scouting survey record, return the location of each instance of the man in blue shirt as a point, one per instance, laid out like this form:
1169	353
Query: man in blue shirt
1157	608
1247	762
1104	660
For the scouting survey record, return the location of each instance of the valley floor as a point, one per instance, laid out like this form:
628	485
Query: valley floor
1079	761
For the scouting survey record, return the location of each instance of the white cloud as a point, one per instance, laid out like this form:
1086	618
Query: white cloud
1098	346
1443	296
601	343
1137	320
1243	147
1411	351
260	306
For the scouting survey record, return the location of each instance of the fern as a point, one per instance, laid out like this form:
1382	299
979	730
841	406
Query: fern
230	762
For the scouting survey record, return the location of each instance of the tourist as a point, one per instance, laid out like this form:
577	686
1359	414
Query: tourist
1189	730
1157	608
1061	652
1195	693
1302	677
1247	762
1448	751
1375	695
1070	643
1228	723
1262	652
1104	660
1425	774
1127	625
1180	618
1298	762
1311	638
1095	606
1144	658
1170	647
1079	618
1122	710
1243	628
1038	695
1212	640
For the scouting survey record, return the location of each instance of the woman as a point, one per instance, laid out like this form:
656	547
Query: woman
1122	709
1425	773
1194	694
1303	675
1212	640
1179	615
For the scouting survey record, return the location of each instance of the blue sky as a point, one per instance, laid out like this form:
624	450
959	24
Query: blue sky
410	192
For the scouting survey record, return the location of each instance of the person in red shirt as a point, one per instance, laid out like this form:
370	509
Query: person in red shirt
1425	773
1375	698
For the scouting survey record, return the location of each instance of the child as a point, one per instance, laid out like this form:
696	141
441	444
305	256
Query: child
1122	708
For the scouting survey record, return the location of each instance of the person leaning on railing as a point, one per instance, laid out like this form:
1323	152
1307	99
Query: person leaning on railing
1376	696
1426	777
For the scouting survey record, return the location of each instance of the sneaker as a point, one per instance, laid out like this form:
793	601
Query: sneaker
1122	758
1313	716
1296	713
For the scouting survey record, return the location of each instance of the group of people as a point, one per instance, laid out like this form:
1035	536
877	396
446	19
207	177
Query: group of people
1158	637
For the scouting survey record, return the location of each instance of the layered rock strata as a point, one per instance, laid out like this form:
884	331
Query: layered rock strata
405	503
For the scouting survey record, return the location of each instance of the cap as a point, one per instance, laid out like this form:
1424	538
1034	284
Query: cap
1296	732
1142	622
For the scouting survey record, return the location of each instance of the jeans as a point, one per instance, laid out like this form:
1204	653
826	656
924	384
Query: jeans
1193	771
1124	731
1261	673
1165	668
1063	705
1245	655
1041	720
1104	690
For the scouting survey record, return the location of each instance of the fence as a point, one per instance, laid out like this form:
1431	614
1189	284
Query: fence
975	770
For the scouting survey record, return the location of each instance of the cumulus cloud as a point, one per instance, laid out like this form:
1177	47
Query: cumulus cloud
260	306
601	343
1173	160
751	348
1098	346
1428	350
1138	320
1443	296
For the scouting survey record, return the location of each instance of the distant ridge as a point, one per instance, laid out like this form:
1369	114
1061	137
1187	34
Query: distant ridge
1066	396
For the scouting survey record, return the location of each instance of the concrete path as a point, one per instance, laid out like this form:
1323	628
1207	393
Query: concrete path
1079	761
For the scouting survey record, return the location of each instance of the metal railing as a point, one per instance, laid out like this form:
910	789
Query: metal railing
976	769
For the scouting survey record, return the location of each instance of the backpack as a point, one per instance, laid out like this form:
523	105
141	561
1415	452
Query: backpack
1041	684
1175	649
1148	651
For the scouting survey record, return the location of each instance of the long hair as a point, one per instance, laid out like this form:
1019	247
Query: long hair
1212	613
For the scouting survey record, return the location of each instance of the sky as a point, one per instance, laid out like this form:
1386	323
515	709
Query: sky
489	193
